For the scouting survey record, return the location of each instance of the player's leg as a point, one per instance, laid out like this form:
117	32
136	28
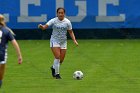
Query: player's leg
56	52
63	51
2	70
62	55
56	65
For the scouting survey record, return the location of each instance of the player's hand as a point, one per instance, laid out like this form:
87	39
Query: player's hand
76	43
41	27
19	60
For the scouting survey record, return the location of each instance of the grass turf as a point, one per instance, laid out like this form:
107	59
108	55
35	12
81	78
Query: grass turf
109	66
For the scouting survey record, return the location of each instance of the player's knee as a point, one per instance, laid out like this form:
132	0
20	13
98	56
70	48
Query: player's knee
57	57
1	77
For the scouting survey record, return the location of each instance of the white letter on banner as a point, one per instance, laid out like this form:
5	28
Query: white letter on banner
82	10
24	12
103	12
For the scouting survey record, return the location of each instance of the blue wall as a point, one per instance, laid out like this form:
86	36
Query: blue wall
84	14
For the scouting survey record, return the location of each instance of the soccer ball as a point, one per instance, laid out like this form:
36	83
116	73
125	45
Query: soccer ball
78	75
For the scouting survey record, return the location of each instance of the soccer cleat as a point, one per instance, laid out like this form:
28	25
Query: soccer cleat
53	71
58	76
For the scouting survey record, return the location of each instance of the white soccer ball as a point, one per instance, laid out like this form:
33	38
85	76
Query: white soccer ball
78	75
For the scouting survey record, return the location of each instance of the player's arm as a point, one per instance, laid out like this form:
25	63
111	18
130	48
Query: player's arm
73	37
16	46
49	23
43	27
10	37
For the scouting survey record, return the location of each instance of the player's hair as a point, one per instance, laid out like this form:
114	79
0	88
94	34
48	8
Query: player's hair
60	8
1	20
1	25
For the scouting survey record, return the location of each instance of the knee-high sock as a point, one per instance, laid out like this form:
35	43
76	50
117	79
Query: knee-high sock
0	83
56	65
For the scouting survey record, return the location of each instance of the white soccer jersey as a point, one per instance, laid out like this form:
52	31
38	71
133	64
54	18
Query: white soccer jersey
60	28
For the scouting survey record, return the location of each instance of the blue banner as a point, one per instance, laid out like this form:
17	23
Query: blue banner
84	14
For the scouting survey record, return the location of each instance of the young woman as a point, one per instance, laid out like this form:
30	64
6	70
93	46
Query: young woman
6	35
58	41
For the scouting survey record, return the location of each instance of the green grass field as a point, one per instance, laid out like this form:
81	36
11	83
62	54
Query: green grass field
109	66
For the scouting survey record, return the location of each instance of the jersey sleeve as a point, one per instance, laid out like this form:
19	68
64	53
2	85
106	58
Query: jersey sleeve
10	35
69	26
50	22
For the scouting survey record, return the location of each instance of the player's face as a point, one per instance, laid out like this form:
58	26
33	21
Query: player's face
61	14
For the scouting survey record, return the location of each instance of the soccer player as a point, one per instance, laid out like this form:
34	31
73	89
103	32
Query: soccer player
6	35
58	41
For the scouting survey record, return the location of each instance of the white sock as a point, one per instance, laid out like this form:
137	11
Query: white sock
56	65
